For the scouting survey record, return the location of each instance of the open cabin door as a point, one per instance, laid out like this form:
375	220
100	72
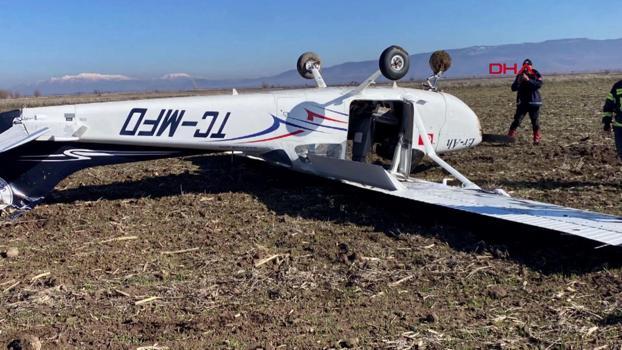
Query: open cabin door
381	133
379	150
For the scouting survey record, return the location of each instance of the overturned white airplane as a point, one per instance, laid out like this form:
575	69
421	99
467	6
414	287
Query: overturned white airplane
370	137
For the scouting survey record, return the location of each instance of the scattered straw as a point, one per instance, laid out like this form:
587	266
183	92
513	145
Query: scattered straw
153	347
7	289
477	270
267	260
180	251
397	283
119	239
123	293
39	276
145	301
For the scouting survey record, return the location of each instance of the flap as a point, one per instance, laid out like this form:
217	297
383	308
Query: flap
362	173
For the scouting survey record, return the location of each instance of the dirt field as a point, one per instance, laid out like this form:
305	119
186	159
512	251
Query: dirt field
221	252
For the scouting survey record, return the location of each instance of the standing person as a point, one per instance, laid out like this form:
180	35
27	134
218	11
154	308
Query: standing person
527	83
613	114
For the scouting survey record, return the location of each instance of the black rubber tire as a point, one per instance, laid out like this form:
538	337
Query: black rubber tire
302	64
440	61
394	63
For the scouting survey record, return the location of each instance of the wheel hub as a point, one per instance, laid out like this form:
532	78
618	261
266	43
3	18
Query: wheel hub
6	194
397	62
312	64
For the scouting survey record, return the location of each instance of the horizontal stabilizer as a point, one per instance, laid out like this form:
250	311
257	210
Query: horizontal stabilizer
16	136
603	228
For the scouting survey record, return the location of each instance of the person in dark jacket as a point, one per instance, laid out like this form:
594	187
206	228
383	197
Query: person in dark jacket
613	114
527	83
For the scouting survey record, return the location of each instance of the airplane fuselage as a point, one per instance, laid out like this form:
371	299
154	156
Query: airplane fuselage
253	123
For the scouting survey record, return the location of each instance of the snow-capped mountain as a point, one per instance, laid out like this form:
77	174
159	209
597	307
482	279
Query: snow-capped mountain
90	77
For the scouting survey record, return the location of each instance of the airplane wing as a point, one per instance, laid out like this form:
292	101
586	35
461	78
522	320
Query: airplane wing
606	229
16	136
603	228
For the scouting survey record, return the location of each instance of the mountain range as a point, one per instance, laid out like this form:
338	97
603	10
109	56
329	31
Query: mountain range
552	56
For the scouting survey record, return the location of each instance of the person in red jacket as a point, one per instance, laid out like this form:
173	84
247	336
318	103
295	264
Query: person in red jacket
527	84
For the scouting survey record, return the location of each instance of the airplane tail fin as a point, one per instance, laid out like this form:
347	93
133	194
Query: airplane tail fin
30	170
28	173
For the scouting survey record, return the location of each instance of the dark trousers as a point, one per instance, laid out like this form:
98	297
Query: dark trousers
521	111
617	133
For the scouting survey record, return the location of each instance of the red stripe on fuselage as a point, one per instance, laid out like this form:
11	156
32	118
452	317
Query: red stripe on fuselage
279	137
311	115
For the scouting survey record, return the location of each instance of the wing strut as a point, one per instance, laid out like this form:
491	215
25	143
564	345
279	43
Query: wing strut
430	152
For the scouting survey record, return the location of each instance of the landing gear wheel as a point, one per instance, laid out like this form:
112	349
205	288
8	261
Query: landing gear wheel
440	61
394	63
305	61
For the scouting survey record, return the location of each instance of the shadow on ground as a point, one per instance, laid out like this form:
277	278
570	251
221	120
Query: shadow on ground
293	194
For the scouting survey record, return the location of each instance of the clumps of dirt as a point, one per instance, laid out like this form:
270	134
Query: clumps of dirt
25	342
10	253
593	153
349	343
345	255
497	292
430	318
43	291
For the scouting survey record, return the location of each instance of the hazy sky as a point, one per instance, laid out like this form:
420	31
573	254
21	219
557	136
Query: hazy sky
232	39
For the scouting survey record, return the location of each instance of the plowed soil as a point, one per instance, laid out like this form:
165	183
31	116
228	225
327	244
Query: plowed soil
222	252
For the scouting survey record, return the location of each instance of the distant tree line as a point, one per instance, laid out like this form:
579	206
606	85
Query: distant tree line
6	94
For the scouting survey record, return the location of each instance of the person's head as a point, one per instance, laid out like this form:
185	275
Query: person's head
527	62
